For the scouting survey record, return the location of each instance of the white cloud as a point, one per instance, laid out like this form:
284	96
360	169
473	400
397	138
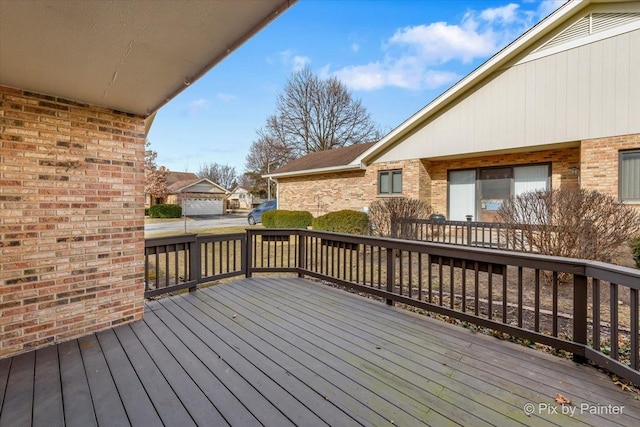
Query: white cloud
547	6
506	13
355	47
226	96
299	62
439	42
424	56
296	62
198	105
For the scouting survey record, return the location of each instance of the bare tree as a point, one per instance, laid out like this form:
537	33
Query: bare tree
314	114
388	216
155	179
568	222
267	154
223	175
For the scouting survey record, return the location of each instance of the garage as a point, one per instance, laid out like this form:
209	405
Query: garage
199	206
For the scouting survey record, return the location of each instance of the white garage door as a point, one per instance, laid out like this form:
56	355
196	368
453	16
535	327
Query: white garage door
194	207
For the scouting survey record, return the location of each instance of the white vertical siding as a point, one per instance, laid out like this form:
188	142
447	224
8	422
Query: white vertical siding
590	91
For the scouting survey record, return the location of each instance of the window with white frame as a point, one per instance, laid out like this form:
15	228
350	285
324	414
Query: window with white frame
390	182
629	179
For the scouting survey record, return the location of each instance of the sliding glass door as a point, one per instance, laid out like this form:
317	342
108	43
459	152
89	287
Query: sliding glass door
482	192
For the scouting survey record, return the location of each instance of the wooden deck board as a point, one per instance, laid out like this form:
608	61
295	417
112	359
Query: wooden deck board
136	402
76	395
16	408
411	366
421	401
298	367
498	356
286	351
461	371
48	409
104	395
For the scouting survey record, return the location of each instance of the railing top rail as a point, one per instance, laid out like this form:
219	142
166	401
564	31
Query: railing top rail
169	240
220	237
613	273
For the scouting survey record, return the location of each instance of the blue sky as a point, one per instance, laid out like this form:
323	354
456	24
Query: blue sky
395	56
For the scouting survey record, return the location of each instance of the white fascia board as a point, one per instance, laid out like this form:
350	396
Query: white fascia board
494	63
344	168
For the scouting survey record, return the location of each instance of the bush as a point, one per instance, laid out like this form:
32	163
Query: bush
635	250
386	216
569	222
146	211
165	211
286	219
345	221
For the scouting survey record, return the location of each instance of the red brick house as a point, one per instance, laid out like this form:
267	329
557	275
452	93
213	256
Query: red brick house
79	87
558	107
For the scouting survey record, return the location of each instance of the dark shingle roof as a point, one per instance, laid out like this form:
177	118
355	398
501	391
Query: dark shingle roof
181	184
173	177
325	159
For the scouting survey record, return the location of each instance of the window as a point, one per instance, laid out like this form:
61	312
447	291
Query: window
629	180
390	182
482	192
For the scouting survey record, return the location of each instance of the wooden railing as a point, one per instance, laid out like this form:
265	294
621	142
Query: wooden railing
185	261
587	308
465	233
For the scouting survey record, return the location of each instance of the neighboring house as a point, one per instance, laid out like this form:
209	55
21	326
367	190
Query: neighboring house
79	87
198	196
240	198
559	107
171	179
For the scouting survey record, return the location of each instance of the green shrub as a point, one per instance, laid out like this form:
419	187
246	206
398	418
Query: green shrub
635	250
146	211
286	219
345	221
165	211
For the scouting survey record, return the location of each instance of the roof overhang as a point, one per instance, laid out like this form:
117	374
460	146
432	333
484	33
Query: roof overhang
495	63
343	168
127	55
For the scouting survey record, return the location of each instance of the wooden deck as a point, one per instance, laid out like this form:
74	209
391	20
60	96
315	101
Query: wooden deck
286	351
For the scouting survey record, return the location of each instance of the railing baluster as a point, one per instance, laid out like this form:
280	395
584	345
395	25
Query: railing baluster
613	307
490	289
452	290
520	297
595	295
633	324
579	314
554	296
504	294
537	301
464	285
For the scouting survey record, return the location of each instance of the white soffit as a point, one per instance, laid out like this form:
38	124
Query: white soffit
131	56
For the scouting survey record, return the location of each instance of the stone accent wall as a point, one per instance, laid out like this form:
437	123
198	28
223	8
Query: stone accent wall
354	190
562	160
600	161
71	218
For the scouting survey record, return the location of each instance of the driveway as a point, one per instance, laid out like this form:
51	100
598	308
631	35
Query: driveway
195	224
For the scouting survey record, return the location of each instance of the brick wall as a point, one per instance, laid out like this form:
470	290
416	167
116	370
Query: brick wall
562	161
72	228
599	162
355	190
597	159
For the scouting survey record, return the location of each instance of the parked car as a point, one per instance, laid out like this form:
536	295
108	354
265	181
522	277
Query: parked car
255	216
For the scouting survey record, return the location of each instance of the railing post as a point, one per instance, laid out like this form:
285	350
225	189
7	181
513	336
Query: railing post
195	269
302	254
469	218
391	272
579	314
243	255
247	253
